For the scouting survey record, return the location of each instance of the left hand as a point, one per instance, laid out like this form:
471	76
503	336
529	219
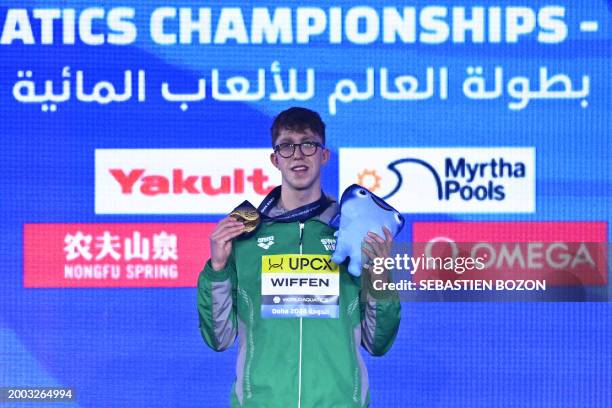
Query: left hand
377	247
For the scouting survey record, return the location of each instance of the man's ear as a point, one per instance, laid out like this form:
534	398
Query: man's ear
326	154
274	160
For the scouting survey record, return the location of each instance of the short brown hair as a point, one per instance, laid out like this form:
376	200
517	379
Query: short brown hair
298	120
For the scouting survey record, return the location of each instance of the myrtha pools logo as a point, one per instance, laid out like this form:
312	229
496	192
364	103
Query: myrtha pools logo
445	180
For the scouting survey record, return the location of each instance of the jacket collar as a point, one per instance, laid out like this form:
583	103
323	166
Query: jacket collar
324	209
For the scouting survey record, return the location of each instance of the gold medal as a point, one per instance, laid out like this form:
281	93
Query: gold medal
247	214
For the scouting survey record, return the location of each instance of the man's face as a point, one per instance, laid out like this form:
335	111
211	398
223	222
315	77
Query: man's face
300	172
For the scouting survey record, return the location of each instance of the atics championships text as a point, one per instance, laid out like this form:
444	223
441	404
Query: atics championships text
284	25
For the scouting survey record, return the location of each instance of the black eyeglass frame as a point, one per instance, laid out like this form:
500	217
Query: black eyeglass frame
278	147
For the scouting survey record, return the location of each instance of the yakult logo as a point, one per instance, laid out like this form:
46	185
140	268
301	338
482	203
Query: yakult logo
445	179
137	180
181	181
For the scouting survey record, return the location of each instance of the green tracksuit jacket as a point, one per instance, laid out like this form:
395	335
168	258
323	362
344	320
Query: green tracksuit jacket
293	362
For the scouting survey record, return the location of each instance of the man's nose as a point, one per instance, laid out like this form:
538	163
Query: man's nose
298	153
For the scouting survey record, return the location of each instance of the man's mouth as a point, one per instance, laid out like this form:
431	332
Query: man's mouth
299	169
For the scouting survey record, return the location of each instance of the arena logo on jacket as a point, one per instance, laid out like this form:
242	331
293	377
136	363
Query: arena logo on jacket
265	242
294	285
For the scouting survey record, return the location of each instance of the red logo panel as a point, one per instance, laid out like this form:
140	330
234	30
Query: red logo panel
562	253
114	254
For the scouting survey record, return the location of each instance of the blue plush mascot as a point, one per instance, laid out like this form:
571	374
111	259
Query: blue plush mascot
361	212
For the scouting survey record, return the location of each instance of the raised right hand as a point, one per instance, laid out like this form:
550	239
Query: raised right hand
221	241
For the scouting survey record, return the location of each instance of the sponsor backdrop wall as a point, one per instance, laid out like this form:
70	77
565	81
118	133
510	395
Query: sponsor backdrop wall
129	128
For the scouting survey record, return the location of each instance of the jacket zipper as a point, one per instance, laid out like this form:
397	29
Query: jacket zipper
300	361
301	235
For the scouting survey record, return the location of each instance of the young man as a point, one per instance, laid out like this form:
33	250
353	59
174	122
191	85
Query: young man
303	361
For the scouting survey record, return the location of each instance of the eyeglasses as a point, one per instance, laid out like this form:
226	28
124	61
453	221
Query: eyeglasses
287	150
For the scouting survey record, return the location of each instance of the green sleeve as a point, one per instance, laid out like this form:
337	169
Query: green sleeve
217	305
380	319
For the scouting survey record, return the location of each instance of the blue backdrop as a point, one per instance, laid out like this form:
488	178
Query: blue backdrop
142	347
